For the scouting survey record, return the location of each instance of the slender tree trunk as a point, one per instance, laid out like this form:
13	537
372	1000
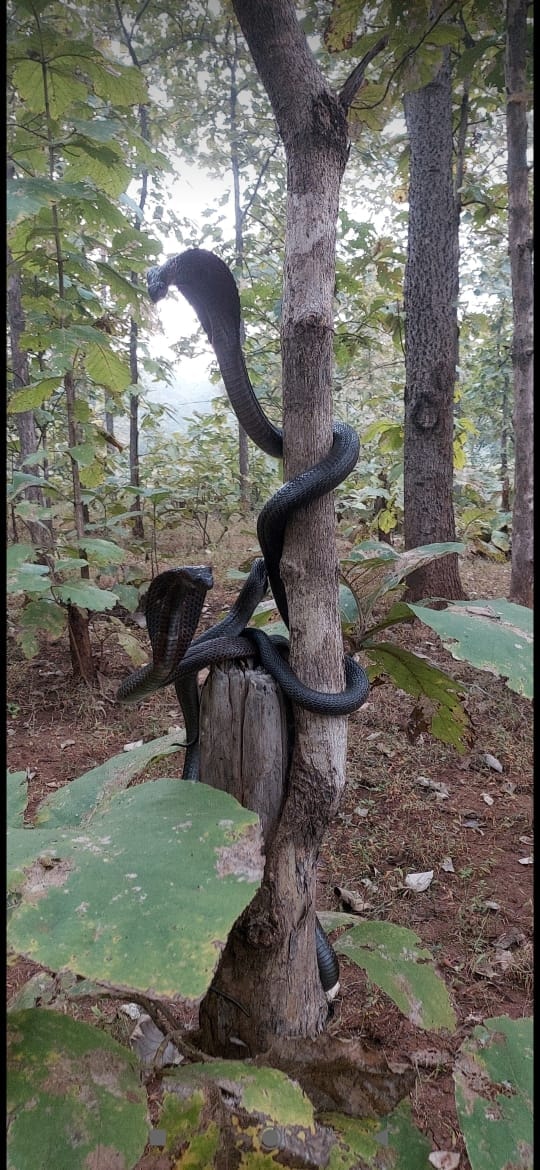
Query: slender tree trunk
134	469
40	530
506	411
520	247
80	646
431	291
270	955
243	447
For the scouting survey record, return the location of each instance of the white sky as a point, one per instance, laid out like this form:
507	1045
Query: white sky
189	191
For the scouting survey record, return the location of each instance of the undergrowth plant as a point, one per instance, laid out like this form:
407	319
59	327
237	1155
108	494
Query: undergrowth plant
85	901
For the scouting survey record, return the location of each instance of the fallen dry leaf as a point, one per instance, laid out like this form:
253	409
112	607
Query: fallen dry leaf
493	762
419	881
445	1159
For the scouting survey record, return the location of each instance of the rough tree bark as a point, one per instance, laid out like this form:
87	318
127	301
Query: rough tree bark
431	292
40	531
269	964
520	247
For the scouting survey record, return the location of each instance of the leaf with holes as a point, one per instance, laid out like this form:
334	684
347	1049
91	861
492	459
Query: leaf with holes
74	1095
163	869
494	1085
494	635
394	959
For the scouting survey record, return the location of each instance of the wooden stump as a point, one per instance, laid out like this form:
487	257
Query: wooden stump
244	739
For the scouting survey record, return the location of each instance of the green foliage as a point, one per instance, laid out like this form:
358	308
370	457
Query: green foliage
74	1095
198	833
389	1143
197	474
395	961
494	1094
73	149
494	635
491	635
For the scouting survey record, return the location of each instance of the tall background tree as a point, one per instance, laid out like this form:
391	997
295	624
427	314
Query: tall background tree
431	350
520	245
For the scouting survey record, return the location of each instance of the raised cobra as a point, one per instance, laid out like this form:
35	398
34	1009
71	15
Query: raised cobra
175	598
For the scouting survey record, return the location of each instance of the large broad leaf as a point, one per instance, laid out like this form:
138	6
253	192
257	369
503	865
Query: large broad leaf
494	1087
107	368
33	396
391	1143
372	568
448	721
143	895
265	1118
74	1096
494	635
394	959
75	802
86	596
17	797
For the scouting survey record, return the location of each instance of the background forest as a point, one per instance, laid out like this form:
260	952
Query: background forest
122	119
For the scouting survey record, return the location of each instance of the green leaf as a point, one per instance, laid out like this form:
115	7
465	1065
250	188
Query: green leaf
412	674
101	165
29	578
23	479
29	643
348	606
74	1095
394	959
67	564
103	552
33	396
17	796
372	568
121	85
102	911
132	647
106	368
265	1091
119	285
494	1090
44	616
128	596
388	1143
86	596
76	801
17	554
83	453
494	635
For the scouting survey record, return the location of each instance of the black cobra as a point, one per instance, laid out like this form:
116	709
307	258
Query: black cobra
175	598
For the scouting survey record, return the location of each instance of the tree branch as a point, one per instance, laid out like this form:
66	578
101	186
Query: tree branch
351	86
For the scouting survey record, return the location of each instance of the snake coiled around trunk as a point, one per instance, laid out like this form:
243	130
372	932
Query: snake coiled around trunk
175	598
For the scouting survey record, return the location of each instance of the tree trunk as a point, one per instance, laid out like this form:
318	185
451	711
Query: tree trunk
431	291
243	448
80	648
275	938
40	531
244	741
505	434
520	248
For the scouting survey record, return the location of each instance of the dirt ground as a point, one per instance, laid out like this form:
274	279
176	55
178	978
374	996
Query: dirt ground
476	916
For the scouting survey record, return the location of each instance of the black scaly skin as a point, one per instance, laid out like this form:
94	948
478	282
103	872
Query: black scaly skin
209	286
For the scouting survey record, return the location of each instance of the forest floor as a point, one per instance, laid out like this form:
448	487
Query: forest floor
475	917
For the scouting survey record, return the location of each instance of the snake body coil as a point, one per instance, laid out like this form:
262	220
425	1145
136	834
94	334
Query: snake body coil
175	598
